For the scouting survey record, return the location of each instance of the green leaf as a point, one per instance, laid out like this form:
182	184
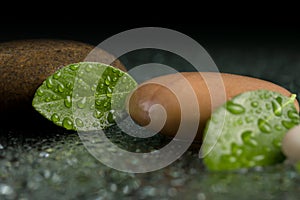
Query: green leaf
84	95
247	131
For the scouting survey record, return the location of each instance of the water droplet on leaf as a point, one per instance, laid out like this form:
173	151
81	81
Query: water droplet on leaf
234	108
68	102
254	104
264	126
55	118
287	124
82	103
78	122
248	138
67	123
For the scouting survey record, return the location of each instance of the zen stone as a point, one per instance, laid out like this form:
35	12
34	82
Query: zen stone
25	64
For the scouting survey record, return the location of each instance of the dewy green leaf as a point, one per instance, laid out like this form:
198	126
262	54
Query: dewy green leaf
84	95
247	131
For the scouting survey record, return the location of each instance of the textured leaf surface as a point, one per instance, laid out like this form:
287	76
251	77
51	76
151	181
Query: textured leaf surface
247	131
84	95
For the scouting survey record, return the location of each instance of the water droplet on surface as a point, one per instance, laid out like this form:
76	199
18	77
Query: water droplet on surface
264	126
54	97
44	154
67	123
110	117
115	79
95	124
278	127
69	85
234	108
40	92
236	150
106	104
61	88
248	138
6	190
57	75
277	143
74	67
124	79
78	122
48	99
249	119
82	103
277	108
259	158
68	102
97	114
55	118
254	104
268	106
293	115
228	158
114	70
49	83
107	80
287	124
88	68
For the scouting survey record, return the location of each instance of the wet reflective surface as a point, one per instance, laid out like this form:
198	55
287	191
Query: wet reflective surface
54	164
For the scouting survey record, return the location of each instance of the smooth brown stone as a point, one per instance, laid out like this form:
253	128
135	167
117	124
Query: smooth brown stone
25	64
158	91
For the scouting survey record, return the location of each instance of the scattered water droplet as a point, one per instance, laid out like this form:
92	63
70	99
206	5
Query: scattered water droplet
115	79
268	106
249	119
88	68
107	80
54	97
124	79
254	104
74	67
234	108
287	124
277	108
95	124
61	88
259	158
110	117
44	154
277	143
236	150
55	118
106	104
69	85
40	92
113	187
97	114
67	123
1	147
278	127
82	103
48	99
293	114
68	102
57	75
6	190
264	126
49	83
78	122
248	138
228	158
114	70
